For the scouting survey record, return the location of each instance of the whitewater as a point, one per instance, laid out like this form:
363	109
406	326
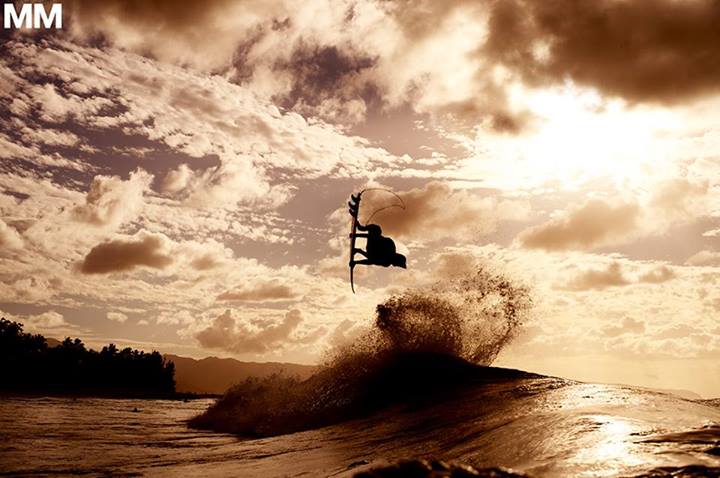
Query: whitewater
416	385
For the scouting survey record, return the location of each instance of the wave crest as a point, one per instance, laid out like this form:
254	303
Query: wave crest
437	335
472	318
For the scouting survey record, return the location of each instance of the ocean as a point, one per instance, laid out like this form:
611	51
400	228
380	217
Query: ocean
417	385
536	425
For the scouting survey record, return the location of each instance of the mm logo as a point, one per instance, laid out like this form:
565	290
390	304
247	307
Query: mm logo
32	15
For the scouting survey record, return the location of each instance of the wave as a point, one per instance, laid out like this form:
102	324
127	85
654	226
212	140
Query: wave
423	343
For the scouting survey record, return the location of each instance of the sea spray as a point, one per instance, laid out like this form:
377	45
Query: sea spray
423	341
473	317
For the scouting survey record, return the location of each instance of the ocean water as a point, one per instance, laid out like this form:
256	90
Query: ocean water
415	386
541	426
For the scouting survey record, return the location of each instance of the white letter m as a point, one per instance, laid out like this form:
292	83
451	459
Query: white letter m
47	20
12	17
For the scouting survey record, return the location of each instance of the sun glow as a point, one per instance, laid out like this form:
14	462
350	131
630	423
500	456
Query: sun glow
574	137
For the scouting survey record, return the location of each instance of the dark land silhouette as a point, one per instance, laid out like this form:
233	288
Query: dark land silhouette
69	368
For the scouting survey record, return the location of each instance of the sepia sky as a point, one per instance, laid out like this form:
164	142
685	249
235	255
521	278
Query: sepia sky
175	177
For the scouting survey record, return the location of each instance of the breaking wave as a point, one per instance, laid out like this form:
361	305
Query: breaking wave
422	343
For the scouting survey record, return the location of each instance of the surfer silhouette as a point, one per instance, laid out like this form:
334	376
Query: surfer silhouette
380	251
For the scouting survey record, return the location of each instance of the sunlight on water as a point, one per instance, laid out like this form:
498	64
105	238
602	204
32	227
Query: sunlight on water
610	445
542	426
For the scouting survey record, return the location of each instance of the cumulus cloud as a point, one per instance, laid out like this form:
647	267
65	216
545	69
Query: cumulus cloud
227	184
254	336
672	47
177	179
201	34
261	291
704	258
594	224
46	320
206	262
658	275
344	332
438	211
679	198
454	264
112	201
10	239
50	137
144	249
614	276
611	276
117	317
49	323
627	326
203	256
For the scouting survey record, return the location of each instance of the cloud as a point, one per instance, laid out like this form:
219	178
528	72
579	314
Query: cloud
337	61
344	333
628	326
201	34
704	258
144	249
438	211
111	201
679	198
49	323
676	331
454	264
594	224
612	276
658	275
259	336
261	291
177	179
50	137
327	81
117	317
672	47
10	239
47	320
206	262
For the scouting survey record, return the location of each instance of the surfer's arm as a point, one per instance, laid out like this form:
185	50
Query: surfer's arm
360	227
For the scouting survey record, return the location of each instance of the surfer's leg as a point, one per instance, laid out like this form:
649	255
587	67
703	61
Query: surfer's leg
359	251
363	262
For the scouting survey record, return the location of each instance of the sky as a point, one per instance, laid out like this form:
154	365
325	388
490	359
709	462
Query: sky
175	178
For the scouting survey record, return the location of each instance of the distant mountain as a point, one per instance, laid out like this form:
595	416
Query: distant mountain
52	342
215	375
686	394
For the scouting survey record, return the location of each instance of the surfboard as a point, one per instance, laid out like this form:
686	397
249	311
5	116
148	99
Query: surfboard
354	209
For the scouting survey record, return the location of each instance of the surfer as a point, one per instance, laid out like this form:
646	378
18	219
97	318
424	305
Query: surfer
380	249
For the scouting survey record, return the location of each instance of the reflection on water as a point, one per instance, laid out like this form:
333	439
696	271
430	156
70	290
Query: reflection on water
610	445
85	435
545	427
619	431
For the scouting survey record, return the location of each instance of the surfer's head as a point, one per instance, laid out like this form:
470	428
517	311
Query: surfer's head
374	230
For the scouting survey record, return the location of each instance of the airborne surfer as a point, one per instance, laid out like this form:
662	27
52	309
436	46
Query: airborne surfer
379	250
